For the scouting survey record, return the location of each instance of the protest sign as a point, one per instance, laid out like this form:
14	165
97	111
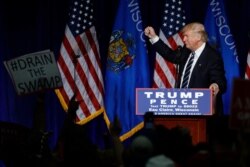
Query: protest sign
34	72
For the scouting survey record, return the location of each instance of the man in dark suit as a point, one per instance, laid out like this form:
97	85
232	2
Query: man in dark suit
207	69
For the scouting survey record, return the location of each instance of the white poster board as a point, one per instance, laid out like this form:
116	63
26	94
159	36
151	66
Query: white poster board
34	72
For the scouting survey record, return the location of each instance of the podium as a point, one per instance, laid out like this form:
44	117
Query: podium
187	108
197	126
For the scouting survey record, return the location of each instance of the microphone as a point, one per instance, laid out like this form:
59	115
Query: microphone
75	57
179	47
178	51
178	54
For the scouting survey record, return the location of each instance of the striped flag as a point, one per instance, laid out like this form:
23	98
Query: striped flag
173	20
79	63
247	72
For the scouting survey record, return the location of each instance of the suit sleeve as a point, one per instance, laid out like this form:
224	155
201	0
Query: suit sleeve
217	71
166	52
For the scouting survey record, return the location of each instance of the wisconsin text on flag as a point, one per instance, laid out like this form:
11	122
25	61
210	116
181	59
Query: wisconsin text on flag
173	20
79	63
220	36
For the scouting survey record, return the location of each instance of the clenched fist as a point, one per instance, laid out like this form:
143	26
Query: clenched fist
150	32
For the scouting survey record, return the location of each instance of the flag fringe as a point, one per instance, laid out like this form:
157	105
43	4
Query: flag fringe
61	99
129	133
83	121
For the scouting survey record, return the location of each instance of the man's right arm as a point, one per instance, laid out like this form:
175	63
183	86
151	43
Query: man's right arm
159	46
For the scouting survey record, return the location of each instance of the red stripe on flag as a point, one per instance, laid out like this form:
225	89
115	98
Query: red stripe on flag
161	75
93	46
172	42
91	68
97	58
73	86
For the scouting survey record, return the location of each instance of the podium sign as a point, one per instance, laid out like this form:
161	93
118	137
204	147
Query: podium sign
174	101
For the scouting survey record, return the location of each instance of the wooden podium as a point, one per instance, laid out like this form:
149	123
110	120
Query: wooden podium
196	125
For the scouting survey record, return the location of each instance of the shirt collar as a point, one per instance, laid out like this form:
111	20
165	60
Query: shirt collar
200	49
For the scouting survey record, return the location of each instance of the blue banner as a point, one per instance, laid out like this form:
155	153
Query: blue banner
127	68
220	36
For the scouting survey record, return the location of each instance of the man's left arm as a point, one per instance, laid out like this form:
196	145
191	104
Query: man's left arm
217	75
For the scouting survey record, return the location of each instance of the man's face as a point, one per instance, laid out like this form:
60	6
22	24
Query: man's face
191	39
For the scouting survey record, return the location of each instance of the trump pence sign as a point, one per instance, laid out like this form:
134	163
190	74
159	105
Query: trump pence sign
173	101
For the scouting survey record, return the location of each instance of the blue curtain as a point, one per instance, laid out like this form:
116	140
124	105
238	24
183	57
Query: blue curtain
26	28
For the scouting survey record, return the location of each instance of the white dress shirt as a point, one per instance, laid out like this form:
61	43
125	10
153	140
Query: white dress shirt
197	54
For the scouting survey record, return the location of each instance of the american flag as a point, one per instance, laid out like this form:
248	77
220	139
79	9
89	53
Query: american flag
247	72
79	63
173	20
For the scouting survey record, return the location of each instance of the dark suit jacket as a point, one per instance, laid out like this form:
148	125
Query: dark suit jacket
208	69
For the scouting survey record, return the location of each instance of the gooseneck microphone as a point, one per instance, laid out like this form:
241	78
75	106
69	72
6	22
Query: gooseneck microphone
75	57
178	54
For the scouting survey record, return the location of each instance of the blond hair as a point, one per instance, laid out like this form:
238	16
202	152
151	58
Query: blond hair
196	28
